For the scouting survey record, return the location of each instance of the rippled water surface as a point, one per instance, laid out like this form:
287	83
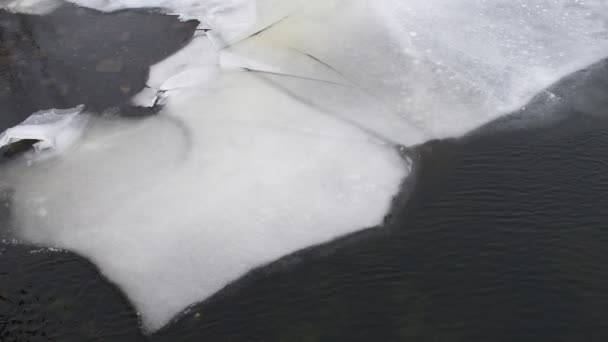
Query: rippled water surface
499	236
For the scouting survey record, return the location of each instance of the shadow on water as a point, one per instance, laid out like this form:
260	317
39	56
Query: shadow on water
502	238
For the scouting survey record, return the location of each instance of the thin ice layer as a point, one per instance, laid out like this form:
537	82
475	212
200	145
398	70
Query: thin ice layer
174	207
443	67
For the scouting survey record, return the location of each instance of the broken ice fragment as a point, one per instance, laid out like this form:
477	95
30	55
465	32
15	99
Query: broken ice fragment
54	129
194	66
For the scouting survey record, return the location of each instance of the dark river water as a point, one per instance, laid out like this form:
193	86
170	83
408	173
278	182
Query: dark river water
501	235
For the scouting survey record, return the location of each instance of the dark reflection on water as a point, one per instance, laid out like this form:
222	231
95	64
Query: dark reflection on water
503	238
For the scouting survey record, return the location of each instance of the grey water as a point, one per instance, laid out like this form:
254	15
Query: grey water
501	235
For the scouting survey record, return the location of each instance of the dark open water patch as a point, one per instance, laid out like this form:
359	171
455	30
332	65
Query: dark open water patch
502	237
80	56
58	296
